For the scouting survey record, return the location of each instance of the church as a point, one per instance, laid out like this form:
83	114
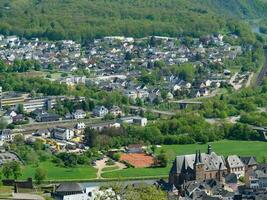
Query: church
198	166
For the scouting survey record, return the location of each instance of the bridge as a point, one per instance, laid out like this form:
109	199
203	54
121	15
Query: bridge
261	130
183	103
155	111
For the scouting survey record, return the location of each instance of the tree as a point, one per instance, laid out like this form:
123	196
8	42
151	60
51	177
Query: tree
38	145
153	41
162	159
90	137
7	171
128	55
16	169
20	109
18	140
40	175
50	66
12	168
3	123
144	192
153	148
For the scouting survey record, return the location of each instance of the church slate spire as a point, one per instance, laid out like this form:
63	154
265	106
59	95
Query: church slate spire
199	157
196	158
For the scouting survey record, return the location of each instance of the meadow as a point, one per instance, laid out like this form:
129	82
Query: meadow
56	173
224	147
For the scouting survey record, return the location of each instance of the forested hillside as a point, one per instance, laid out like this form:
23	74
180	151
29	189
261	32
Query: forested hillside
85	19
238	8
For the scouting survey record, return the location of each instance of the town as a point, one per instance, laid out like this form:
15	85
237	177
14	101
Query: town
42	133
144	68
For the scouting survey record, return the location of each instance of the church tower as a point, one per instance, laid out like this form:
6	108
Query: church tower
199	167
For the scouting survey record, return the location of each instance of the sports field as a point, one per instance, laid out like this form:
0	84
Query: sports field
138	160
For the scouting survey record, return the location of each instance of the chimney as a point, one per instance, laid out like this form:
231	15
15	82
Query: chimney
209	149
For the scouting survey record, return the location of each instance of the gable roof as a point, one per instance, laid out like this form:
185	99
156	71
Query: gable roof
186	162
234	161
248	160
69	187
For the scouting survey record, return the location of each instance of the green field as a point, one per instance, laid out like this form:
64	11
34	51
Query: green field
60	173
244	148
110	168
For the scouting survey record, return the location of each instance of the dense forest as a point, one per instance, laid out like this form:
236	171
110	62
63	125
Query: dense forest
86	19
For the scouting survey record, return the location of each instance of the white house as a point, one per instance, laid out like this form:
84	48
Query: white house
63	133
79	114
6	135
141	121
80	125
100	111
11	113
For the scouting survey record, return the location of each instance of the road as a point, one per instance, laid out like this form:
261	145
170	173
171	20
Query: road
263	72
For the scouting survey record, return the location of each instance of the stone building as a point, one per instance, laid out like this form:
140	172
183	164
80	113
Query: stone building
198	166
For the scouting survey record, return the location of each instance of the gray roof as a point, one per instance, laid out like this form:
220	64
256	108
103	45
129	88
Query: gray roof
250	160
234	161
211	162
69	187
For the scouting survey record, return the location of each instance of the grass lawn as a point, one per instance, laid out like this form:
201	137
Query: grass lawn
109	168
60	173
224	147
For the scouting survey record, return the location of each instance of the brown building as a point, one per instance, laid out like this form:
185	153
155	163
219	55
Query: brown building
198	166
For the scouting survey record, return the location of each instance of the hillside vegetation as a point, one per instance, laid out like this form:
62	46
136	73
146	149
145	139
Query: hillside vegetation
86	19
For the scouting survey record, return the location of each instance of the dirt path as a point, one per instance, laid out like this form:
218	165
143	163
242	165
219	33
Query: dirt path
249	79
101	164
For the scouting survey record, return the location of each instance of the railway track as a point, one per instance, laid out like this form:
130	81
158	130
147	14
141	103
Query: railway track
30	128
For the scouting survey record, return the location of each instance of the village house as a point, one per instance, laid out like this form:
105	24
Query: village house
134	148
256	179
70	191
44	133
141	121
116	111
249	161
6	135
47	117
18	118
80	125
100	111
79	114
10	113
63	133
